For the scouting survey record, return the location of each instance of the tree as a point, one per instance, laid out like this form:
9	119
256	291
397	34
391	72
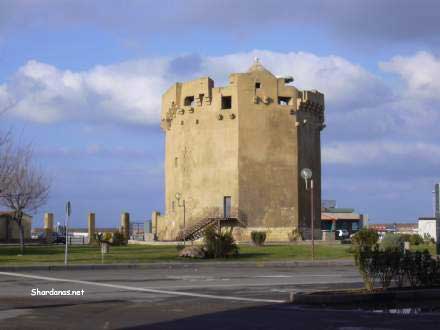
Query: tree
24	188
6	159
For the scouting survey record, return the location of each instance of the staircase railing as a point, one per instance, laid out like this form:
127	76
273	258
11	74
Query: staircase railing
197	230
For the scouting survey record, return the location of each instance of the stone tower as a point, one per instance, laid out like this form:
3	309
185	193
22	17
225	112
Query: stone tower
237	152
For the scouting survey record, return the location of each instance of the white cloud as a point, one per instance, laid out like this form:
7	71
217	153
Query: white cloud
130	92
345	85
355	153
127	92
420	72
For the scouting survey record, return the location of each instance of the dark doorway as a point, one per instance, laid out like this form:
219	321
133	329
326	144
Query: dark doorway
227	206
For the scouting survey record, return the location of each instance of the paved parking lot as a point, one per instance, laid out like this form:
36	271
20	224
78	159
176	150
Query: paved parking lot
250	296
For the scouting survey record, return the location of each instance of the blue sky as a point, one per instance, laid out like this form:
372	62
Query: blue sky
82	82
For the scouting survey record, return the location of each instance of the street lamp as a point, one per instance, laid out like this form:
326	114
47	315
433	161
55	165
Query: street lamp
306	174
178	197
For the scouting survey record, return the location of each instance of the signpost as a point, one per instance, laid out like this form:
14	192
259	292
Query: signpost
66	225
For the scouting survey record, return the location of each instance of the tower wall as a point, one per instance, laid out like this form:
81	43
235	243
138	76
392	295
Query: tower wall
267	156
201	155
310	121
251	150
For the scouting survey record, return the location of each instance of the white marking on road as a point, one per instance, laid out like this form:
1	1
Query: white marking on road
132	288
294	276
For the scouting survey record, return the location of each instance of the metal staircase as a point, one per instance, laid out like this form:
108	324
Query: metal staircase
197	230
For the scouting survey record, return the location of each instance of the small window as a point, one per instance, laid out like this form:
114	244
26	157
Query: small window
226	102
172	205
283	100
189	101
176	162
201	96
257	85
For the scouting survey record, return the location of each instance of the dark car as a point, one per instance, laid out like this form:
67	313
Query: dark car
54	238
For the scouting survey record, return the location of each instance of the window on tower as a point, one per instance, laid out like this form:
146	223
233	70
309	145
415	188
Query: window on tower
189	101
226	102
284	100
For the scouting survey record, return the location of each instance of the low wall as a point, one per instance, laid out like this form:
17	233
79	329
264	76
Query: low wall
273	234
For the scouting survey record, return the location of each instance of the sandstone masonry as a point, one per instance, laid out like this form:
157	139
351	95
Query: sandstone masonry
237	151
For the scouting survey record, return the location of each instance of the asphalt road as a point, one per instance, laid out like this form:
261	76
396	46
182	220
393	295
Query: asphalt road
195	297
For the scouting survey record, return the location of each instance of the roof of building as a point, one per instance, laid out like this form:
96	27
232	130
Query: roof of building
339	216
396	226
326	216
257	66
427	218
338	210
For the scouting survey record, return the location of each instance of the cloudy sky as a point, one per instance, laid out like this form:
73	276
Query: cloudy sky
82	81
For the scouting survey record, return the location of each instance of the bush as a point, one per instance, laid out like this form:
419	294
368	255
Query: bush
294	235
392	242
415	268
427	239
118	239
387	266
416	239
406	237
365	238
258	237
219	245
364	257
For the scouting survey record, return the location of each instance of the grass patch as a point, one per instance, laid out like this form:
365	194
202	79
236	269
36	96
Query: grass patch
145	253
421	247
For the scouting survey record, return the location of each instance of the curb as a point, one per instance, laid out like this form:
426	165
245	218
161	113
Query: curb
341	298
182	265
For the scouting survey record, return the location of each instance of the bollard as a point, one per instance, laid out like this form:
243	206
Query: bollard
48	226
125	225
91	227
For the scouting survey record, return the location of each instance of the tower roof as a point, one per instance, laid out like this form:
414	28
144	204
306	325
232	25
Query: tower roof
258	67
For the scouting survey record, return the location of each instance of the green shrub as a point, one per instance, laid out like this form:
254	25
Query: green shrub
406	237
392	242
416	239
104	237
364	257
387	266
294	235
258	237
219	245
365	238
427	239
384	265
118	239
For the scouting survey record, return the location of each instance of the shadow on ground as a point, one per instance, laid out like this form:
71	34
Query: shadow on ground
288	316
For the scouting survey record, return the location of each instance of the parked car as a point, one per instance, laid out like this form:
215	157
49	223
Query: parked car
342	234
54	238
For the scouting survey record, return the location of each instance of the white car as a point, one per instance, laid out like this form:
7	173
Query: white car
342	233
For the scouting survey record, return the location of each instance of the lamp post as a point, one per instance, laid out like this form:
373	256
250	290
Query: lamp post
178	197
306	174
66	223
